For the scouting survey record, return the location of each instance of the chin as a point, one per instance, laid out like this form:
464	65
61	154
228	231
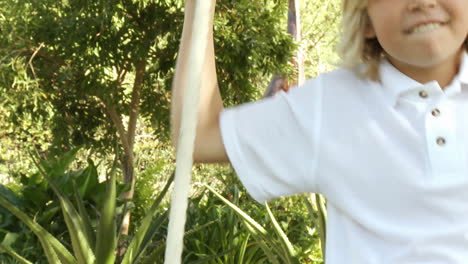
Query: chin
432	59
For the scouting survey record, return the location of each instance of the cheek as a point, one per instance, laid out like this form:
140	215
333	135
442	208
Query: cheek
465	21
386	35
384	23
458	10
391	43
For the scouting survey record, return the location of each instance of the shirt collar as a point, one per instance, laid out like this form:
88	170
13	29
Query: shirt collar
395	83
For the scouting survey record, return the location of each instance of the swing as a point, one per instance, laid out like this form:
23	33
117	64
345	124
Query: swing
184	156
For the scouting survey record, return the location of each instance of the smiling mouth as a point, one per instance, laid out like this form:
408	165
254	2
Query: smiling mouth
425	28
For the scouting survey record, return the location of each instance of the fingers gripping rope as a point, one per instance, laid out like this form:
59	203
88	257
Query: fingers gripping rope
187	132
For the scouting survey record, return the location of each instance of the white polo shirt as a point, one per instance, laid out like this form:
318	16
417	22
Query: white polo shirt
390	157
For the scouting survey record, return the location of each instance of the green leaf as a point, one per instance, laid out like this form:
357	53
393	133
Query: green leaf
106	240
76	227
9	239
257	231
269	252
36	195
80	241
214	256
241	213
88	179
85	216
54	250
315	203
243	248
6	218
15	255
155	256
57	167
151	232
50	211
9	195
289	252
139	243
65	3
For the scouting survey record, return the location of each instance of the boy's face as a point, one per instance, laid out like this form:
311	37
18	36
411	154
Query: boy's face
419	33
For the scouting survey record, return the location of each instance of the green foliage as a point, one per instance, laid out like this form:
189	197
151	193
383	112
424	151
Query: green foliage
215	233
250	48
37	198
216	236
148	229
82	55
63	62
277	250
106	238
89	246
155	170
7	220
320	31
74	60
318	211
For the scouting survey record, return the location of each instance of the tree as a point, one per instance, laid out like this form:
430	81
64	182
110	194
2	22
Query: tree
91	70
320	33
294	28
278	83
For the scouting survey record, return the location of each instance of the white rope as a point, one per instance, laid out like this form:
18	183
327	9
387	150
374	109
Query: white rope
184	158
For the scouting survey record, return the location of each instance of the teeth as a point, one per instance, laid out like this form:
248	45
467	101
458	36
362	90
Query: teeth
426	28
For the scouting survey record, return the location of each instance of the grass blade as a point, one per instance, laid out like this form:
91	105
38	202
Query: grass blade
318	212
84	214
244	216
323	222
76	228
156	253
135	247
107	234
243	249
150	234
261	242
260	233
54	250
15	255
214	257
288	248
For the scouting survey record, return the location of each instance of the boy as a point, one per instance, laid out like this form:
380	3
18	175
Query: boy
382	138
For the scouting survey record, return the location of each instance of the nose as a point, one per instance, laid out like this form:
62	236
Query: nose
416	5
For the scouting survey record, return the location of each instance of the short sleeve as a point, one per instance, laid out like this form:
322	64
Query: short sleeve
273	143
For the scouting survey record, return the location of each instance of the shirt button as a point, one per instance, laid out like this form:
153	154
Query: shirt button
436	112
423	94
441	141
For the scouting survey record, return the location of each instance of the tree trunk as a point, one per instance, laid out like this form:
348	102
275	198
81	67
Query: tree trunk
127	139
128	158
294	29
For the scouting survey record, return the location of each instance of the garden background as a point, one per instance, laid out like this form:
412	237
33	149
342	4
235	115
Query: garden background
84	100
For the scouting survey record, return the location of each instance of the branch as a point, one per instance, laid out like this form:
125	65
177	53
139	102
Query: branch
30	49
117	120
32	58
135	104
42	54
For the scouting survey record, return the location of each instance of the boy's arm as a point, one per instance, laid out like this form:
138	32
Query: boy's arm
208	143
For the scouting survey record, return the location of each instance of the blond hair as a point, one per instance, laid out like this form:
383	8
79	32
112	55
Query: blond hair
354	48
